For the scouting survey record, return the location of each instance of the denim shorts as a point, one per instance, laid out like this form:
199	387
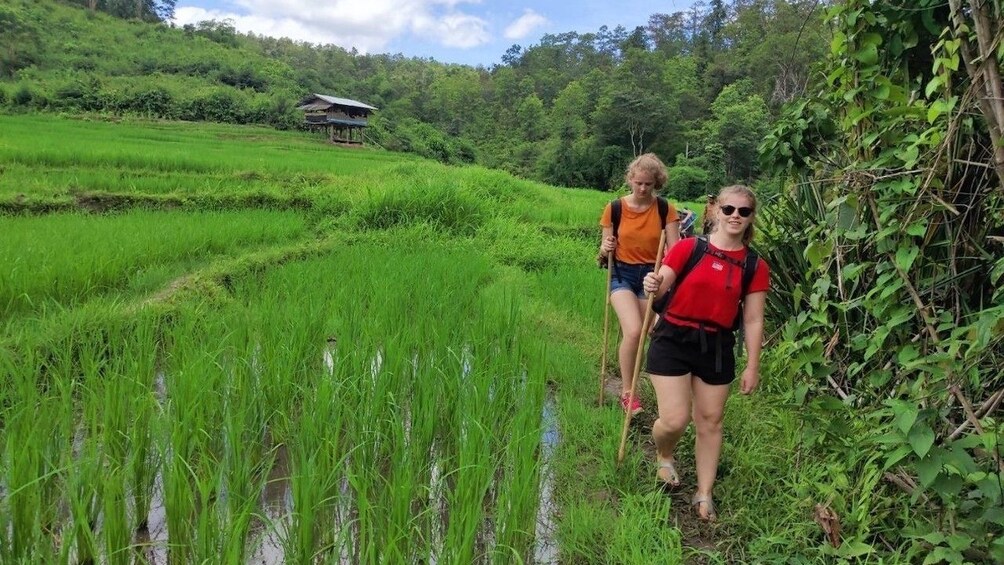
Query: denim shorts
629	277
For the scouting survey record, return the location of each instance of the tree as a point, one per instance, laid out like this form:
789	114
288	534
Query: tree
149	10
714	23
633	110
530	118
739	120
786	38
455	99
637	39
668	34
567	126
512	56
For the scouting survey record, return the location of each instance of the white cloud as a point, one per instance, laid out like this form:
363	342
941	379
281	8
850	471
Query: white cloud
454	30
367	25
525	25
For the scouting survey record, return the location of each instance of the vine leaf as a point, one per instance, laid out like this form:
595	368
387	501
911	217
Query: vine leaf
906	415
921	438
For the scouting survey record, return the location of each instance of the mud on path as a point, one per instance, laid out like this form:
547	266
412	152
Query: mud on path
696	535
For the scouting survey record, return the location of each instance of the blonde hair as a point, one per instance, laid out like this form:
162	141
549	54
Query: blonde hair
651	164
742	190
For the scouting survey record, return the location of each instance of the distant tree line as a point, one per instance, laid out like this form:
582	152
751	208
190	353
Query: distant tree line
148	10
700	88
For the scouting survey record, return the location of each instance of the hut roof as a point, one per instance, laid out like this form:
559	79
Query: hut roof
323	102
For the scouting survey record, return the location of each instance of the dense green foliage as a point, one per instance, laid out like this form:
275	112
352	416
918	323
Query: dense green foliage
696	87
892	276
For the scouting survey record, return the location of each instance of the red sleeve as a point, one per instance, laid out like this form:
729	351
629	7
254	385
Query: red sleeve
679	253
761	278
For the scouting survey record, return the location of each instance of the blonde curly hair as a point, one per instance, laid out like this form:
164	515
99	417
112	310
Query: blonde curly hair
651	164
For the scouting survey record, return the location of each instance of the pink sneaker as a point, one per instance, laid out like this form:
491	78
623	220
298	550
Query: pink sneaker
635	404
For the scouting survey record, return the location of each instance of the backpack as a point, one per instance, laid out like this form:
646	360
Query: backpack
615	212
615	220
687	223
700	249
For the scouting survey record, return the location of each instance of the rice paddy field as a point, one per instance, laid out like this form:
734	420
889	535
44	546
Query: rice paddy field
227	344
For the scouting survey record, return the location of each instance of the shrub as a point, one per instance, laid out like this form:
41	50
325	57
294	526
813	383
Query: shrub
687	182
216	106
432	201
23	96
79	94
156	101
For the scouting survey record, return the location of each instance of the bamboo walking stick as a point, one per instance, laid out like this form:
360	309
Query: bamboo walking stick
638	354
606	325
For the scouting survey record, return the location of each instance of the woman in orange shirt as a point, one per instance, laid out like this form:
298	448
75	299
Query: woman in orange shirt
635	248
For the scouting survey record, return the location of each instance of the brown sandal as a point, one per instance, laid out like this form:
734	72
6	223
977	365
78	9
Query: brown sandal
709	506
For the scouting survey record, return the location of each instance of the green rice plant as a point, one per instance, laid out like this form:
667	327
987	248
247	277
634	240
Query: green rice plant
210	530
315	489
192	451
419	441
143	461
61	260
21	180
518	484
115	531
245	463
430	199
370	423
84	485
31	469
536	250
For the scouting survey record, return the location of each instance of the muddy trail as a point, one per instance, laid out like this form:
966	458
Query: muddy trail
696	535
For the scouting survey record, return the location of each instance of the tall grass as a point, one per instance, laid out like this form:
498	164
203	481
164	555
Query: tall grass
420	441
58	261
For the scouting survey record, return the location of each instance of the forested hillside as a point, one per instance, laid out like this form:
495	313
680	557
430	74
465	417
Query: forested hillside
699	87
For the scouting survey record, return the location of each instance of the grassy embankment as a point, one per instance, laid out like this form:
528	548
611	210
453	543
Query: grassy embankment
372	335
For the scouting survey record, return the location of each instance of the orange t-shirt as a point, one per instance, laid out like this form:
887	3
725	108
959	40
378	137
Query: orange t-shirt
638	233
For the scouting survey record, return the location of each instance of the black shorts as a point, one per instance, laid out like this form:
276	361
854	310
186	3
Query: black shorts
679	350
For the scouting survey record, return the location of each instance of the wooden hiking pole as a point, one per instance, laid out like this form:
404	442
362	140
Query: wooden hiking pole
641	347
606	325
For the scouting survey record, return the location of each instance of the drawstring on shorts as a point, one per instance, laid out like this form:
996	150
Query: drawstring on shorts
702	332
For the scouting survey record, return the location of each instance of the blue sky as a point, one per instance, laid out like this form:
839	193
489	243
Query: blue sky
472	32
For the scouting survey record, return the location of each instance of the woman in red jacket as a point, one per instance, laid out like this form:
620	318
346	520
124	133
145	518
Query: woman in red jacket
691	358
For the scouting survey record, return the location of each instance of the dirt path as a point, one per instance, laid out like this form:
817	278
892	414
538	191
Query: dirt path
697	535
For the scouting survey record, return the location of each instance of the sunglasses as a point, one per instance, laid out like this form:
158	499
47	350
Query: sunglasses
729	209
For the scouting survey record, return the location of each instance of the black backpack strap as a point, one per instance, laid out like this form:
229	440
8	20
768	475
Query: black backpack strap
663	209
615	214
749	269
700	248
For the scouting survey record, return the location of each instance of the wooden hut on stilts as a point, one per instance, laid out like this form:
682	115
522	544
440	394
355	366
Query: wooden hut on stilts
341	119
